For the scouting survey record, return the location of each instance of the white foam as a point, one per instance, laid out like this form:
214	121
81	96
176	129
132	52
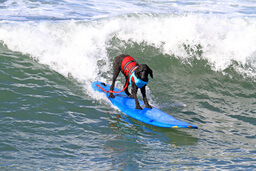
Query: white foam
223	39
76	48
68	48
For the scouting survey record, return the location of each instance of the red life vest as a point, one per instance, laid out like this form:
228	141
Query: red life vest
129	65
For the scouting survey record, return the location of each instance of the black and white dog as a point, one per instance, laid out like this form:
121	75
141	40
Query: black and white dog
136	74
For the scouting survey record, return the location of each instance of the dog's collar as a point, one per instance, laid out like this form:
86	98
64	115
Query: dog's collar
139	83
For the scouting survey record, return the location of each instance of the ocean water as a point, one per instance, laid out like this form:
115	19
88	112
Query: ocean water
203	56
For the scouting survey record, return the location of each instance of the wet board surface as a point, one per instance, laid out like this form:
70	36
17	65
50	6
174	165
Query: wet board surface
152	116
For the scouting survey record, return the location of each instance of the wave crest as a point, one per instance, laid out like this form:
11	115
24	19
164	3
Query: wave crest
84	49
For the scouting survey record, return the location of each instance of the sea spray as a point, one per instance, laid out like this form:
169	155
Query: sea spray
80	48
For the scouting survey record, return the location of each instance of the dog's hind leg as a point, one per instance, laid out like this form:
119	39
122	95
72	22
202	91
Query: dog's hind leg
115	75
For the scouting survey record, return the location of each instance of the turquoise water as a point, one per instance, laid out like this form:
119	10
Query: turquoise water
203	58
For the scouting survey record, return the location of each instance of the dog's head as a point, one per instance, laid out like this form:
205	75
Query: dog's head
142	72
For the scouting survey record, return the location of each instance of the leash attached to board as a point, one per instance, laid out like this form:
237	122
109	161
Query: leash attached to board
109	91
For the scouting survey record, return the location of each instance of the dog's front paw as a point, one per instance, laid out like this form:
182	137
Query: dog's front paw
139	107
131	96
148	106
111	96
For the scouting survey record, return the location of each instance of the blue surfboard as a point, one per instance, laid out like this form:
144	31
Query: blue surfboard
152	116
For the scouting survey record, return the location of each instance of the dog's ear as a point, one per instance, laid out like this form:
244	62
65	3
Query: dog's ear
150	72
